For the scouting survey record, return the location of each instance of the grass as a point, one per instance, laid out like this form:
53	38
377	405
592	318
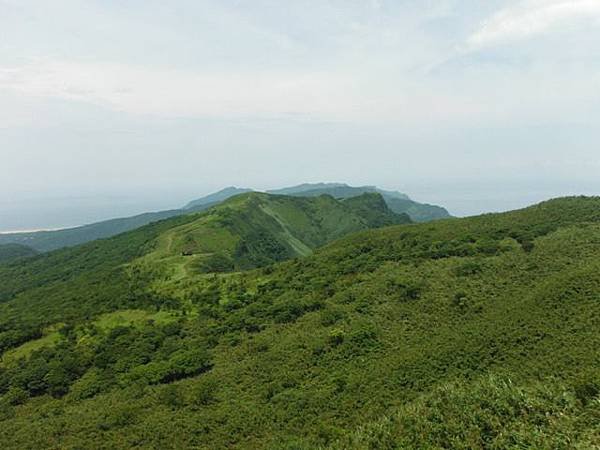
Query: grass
50	338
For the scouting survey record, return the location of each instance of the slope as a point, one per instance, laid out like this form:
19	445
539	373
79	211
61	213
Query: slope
463	333
398	202
45	241
12	252
253	230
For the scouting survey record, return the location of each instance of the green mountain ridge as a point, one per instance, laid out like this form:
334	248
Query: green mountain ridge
44	241
255	229
465	333
398	202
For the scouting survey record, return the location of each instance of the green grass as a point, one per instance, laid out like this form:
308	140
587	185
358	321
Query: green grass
254	230
49	339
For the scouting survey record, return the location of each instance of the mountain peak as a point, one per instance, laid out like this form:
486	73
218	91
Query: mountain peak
216	197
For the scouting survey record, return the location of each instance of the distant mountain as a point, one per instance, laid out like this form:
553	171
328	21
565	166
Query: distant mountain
44	241
216	198
337	190
255	229
12	252
305	187
398	202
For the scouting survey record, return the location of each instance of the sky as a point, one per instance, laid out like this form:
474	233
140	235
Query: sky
110	108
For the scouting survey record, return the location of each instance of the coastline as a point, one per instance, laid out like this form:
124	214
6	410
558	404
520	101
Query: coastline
35	230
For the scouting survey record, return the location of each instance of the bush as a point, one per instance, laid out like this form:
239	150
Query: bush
216	263
468	269
336	337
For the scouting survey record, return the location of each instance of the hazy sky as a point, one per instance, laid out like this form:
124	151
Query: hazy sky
114	107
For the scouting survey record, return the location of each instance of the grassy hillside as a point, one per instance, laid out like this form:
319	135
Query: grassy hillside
253	230
462	333
12	252
124	271
44	241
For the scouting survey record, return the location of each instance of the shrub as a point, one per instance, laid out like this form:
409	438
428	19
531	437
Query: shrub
336	337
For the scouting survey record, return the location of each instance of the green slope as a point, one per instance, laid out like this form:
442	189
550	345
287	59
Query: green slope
255	229
44	241
463	333
12	252
398	202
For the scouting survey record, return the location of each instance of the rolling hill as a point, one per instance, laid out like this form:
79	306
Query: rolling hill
465	333
44	241
255	229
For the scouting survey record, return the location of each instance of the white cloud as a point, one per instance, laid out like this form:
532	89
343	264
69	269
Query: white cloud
346	93
141	90
530	18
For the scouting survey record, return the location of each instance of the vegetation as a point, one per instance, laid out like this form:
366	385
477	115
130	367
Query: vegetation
44	241
12	252
461	333
254	230
396	201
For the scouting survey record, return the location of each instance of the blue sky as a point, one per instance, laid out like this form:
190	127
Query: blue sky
476	105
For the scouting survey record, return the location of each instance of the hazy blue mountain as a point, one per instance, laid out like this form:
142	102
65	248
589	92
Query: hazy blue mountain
305	187
217	197
397	201
339	190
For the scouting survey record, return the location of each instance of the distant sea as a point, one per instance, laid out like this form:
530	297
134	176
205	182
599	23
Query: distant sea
57	213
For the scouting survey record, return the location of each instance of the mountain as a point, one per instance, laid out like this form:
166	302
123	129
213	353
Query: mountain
466	333
44	241
12	252
398	202
217	197
304	188
256	229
